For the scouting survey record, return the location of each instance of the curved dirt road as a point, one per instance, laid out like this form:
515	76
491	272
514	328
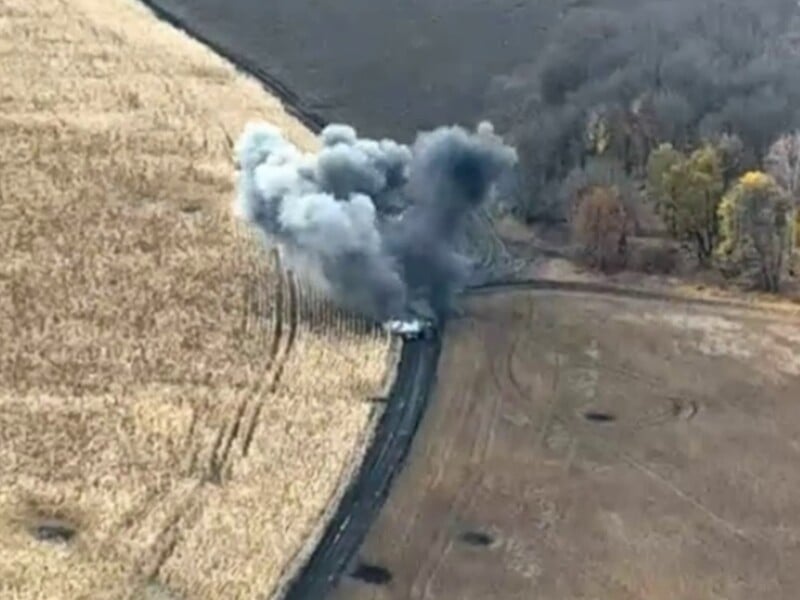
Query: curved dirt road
383	460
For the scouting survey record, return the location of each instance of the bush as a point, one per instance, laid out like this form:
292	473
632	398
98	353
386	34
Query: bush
653	256
756	226
600	227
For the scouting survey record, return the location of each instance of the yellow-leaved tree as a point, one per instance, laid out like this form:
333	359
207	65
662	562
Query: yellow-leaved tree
756	229
686	191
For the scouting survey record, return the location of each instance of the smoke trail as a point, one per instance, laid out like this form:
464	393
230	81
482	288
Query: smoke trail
372	223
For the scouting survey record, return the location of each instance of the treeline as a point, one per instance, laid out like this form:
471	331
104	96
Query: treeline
742	222
686	104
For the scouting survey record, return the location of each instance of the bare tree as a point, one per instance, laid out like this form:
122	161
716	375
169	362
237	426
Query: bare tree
783	163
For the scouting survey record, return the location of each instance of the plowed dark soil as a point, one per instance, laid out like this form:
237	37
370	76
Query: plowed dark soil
388	68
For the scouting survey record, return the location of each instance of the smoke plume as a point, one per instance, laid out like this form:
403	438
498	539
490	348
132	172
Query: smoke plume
371	223
668	71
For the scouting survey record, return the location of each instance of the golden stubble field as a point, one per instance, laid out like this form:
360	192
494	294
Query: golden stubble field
174	408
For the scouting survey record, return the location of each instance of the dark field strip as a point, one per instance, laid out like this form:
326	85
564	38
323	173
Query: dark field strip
388	68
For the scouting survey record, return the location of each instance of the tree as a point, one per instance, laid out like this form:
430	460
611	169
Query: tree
601	226
659	185
656	71
783	163
756	227
686	192
599	171
732	156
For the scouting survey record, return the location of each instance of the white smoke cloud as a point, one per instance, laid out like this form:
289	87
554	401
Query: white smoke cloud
334	213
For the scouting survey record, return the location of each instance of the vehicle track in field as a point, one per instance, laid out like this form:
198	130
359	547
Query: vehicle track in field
271	321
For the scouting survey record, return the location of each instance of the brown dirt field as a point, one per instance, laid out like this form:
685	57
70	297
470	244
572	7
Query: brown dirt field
167	394
593	446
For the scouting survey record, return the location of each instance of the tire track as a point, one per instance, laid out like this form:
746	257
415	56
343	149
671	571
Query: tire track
481	443
231	429
286	306
217	466
277	314
151	563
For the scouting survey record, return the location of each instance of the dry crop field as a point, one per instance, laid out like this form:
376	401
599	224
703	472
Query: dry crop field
176	412
599	446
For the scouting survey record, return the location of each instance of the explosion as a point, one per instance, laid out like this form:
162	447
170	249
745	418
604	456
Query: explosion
371	223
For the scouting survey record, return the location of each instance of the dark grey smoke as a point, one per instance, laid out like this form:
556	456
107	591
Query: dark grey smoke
372	223
688	68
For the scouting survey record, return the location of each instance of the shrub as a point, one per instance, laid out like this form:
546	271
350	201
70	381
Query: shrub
599	171
653	256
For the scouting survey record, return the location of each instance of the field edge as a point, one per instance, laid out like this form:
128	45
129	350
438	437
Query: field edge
288	98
